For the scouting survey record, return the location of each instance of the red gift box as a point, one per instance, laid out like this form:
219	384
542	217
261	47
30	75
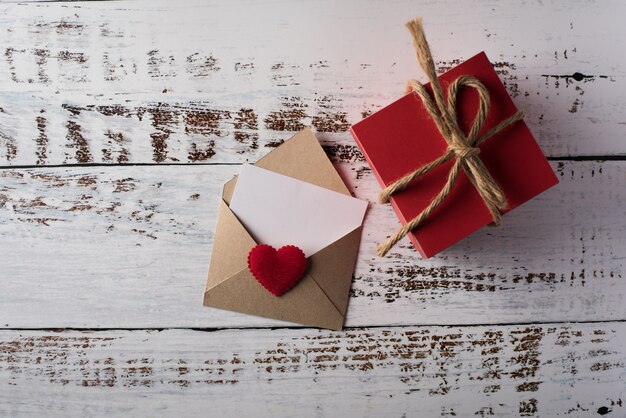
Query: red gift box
403	136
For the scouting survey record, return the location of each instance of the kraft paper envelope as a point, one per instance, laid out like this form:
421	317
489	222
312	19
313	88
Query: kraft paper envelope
320	299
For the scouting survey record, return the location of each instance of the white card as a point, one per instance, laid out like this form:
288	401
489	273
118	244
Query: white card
279	210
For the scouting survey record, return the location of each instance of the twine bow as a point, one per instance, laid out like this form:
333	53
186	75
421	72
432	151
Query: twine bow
460	146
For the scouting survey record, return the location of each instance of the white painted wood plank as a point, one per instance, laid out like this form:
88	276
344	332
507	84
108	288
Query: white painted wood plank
535	371
129	247
162	81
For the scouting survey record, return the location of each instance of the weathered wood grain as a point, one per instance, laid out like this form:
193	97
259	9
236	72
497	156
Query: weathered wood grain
169	82
534	371
203	85
129	247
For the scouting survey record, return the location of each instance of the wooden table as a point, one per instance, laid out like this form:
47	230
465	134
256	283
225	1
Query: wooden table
120	121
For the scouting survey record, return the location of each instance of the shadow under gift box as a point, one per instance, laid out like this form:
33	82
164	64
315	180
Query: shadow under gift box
402	137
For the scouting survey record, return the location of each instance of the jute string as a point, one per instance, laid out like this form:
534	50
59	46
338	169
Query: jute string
462	147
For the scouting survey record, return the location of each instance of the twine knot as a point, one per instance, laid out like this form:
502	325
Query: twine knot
464	148
464	152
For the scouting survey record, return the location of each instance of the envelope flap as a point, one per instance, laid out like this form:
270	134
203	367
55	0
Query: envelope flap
332	268
303	158
231	246
305	304
229	189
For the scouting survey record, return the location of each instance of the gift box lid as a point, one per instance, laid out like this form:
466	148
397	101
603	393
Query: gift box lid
402	136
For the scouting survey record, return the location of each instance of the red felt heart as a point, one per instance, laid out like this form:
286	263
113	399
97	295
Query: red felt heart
278	271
